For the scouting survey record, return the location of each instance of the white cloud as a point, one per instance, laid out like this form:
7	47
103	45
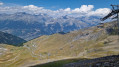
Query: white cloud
67	9
84	10
102	11
76	10
1	3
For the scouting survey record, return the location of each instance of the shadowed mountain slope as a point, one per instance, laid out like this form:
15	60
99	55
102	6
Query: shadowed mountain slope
6	38
108	61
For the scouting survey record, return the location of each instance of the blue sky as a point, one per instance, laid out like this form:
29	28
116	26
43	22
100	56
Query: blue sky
57	8
57	4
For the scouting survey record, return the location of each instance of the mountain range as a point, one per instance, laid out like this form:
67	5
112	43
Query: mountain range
28	26
87	43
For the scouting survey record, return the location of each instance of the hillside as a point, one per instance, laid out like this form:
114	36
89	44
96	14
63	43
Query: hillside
86	43
6	38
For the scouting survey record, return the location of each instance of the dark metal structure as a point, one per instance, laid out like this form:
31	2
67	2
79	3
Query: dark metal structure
114	12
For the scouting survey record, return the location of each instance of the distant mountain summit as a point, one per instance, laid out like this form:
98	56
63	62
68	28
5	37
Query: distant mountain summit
6	38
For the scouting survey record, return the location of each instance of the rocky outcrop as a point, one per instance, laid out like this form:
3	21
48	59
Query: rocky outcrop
109	61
